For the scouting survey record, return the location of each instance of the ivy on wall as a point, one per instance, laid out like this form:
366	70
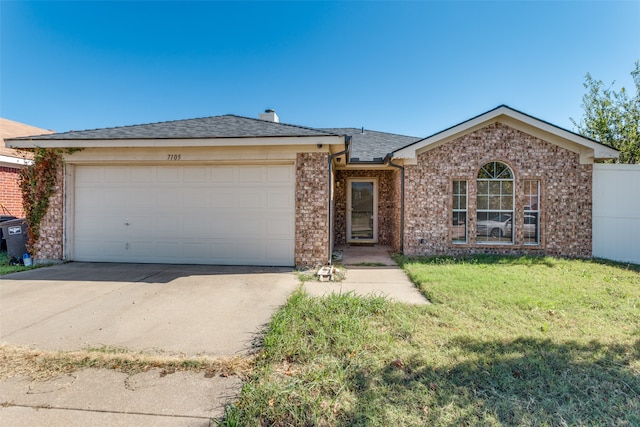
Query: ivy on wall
37	182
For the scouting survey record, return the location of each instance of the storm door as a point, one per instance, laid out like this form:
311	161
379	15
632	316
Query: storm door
362	210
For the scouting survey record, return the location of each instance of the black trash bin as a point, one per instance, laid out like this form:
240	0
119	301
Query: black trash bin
3	244
14	232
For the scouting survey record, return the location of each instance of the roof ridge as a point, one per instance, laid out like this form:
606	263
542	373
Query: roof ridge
193	119
376	131
139	124
282	124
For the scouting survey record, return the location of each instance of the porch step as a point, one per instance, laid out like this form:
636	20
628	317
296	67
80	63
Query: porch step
325	273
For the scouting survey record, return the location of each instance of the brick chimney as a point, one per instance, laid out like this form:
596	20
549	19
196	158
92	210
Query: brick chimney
270	116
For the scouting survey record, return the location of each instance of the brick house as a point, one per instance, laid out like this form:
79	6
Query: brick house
236	190
11	162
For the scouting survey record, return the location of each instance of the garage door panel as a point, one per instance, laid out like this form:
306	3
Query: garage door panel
142	200
139	248
140	226
252	227
279	173
249	200
280	199
251	174
164	249
142	175
168	175
195	199
223	227
196	175
222	200
88	176
169	200
232	214
279	226
117	175
194	226
222	174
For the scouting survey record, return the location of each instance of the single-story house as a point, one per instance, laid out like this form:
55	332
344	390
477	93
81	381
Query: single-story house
11	162
237	190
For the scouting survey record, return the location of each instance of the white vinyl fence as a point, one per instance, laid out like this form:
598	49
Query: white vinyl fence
616	212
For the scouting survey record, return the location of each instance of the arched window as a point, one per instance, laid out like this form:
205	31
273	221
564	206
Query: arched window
494	206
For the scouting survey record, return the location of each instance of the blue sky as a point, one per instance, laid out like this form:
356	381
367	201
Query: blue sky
412	68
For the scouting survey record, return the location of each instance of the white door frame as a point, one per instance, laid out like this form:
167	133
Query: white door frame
374	181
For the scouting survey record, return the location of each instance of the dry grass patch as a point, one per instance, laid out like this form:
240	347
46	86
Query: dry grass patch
42	365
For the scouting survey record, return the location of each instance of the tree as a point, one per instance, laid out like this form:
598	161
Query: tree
612	118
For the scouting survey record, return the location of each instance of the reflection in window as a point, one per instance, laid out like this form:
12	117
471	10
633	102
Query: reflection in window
459	225
495	204
532	212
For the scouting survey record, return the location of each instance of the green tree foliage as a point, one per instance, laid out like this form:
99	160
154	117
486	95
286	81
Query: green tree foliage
613	117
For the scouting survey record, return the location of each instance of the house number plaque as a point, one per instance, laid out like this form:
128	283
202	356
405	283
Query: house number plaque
173	157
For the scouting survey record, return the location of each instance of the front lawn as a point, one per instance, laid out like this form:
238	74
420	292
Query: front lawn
507	341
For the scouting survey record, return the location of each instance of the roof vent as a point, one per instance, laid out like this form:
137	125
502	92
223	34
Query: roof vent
270	116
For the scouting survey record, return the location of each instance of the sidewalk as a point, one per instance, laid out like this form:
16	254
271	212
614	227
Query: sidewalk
103	397
370	271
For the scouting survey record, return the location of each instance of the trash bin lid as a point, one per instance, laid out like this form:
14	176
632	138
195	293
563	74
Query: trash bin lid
10	227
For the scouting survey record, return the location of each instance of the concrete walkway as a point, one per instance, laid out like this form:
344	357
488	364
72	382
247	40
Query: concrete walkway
370	270
166	309
170	310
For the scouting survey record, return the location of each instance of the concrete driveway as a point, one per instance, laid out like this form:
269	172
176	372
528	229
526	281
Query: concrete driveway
170	309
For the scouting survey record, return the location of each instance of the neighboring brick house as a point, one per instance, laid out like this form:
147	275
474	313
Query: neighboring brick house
235	190
11	162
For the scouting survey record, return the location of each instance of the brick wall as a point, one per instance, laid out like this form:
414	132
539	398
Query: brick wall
50	245
388	205
10	194
395	196
566	194
312	221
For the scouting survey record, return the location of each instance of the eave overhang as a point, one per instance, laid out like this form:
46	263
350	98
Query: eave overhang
588	149
176	142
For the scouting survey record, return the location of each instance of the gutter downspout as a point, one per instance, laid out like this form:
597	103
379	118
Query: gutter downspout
347	150
387	161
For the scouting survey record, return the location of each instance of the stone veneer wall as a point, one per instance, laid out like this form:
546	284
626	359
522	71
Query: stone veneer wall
565	186
388	205
312	221
50	245
10	193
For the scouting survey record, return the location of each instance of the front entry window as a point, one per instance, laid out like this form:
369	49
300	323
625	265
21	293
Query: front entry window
362	210
495	204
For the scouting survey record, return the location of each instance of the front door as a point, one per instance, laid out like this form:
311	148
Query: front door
362	210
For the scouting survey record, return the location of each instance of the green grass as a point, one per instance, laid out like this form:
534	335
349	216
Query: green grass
508	341
5	268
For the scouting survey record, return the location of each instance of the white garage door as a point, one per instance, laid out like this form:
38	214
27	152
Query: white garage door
228	215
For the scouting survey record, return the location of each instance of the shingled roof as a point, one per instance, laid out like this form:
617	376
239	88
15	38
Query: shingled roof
226	126
11	129
370	146
366	145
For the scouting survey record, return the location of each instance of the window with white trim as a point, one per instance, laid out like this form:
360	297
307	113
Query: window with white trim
532	212
494	207
459	224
